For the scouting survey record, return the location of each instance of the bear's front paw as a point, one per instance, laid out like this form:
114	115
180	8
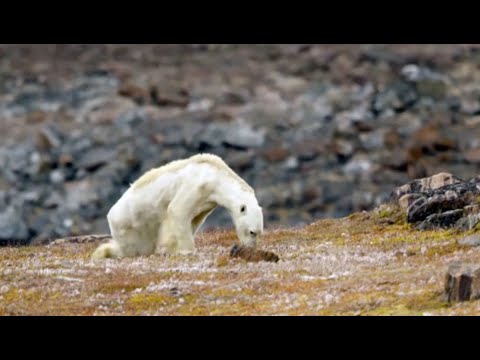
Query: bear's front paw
185	251
163	250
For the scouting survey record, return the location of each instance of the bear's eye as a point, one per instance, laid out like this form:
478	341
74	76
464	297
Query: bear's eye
243	208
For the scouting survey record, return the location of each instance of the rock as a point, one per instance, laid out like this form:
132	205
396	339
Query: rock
131	118
473	156
39	164
387	99
462	282
19	157
234	97
470	220
138	93
95	158
13	228
406	200
57	176
287	83
103	110
362	200
169	97
275	154
237	134
428	82
440	201
342	148
373	140
200	105
424	206
429	140
79	193
53	200
251	255
50	137
307	150
31	196
243	135
358	166
442	220
242	161
426	184
352	121
65	160
471	240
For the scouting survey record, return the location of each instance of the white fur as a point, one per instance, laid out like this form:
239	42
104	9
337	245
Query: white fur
162	211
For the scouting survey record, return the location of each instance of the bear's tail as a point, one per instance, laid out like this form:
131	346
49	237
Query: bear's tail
105	251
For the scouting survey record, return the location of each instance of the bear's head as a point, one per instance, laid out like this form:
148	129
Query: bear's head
249	223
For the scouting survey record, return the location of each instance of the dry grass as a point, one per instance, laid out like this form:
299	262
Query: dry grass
364	264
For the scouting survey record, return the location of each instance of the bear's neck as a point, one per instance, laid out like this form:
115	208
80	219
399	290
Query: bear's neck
231	196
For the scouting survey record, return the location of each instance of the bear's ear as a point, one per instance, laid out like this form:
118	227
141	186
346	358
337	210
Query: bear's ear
243	209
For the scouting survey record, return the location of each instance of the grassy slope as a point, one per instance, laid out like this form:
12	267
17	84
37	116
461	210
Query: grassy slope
360	265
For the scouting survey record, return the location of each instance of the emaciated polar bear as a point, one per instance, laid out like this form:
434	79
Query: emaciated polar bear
162	211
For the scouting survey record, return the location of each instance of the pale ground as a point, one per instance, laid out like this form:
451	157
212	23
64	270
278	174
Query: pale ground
353	266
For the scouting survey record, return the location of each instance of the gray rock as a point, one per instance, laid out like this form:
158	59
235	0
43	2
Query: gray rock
242	134
96	157
471	240
429	83
358	166
19	157
57	176
238	134
398	96
55	199
31	196
443	220
13	228
79	193
426	184
132	117
40	163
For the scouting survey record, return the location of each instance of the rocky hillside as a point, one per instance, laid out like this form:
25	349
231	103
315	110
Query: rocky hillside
318	131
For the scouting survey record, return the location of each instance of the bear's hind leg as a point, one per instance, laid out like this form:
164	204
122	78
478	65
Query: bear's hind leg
134	242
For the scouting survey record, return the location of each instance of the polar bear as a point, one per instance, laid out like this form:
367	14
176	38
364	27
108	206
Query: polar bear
162	211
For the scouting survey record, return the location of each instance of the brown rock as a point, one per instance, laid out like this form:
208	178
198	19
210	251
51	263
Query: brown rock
428	140
473	155
391	138
312	192
307	150
36	117
169	97
65	159
275	154
137	93
49	137
462	282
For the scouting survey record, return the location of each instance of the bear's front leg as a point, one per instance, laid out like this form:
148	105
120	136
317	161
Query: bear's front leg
175	237
175	233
